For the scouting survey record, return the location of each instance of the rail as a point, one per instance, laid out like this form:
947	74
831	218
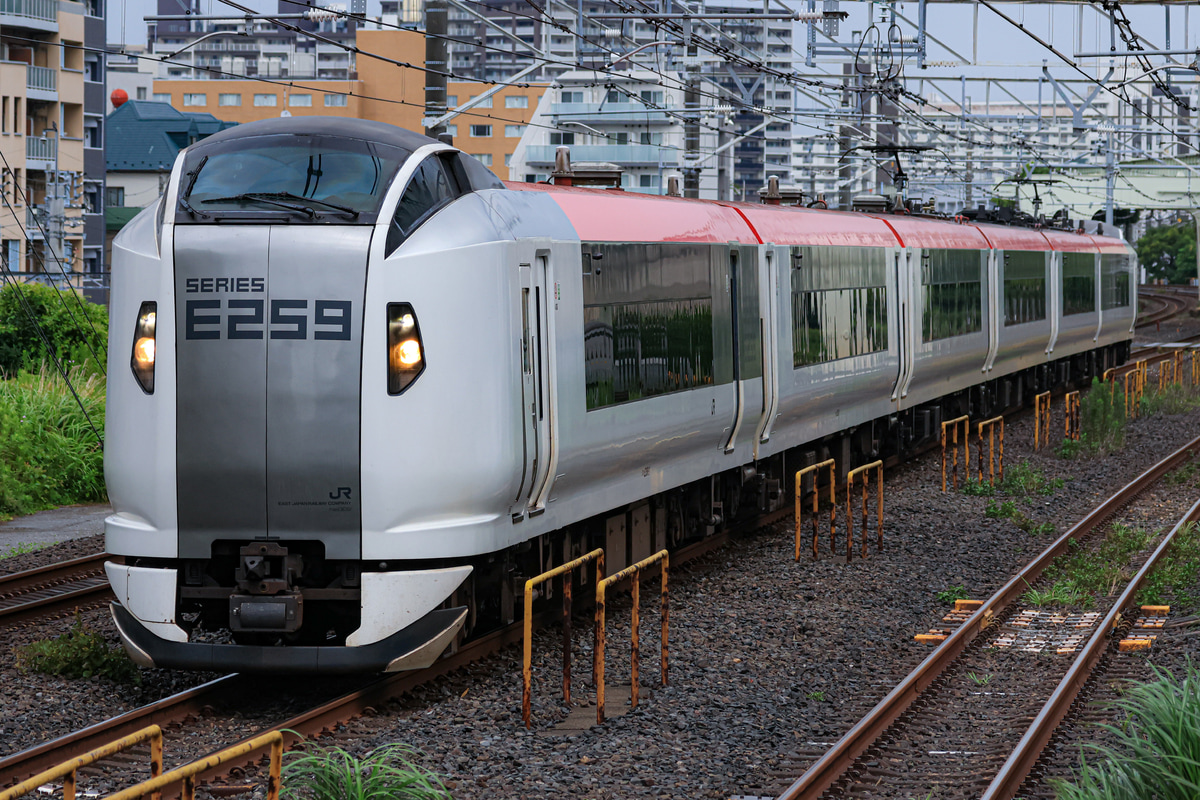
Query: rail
633	572
865	471
69	769
838	758
564	570
813	469
953	425
1016	768
992	461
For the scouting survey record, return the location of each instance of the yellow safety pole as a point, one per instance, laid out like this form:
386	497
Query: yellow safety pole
813	469
67	769
633	572
187	774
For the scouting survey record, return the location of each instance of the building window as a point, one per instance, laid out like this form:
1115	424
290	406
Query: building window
481	131
114	196
484	158
514	131
335	100
162	98
518	101
562	138
266	100
451	100
300	100
190	99
647	181
621	137
141	93
229	99
484	103
508	159
646	137
571	97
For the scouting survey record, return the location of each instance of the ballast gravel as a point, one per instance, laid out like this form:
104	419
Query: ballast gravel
771	660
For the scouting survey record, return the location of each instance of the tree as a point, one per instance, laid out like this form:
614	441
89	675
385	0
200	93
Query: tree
76	330
1169	251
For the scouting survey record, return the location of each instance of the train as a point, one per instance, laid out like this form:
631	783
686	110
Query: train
360	389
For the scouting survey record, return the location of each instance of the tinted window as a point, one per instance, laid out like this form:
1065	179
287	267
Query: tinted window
1115	276
952	285
1079	283
839	303
337	179
430	187
1024	287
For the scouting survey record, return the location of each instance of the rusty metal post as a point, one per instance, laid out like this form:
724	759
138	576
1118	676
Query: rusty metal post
565	570
633	572
189	788
1041	420
635	590
1072	421
864	470
69	786
990	424
813	470
156	762
954	425
67	770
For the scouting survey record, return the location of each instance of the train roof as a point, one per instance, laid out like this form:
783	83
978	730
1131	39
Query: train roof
347	127
616	216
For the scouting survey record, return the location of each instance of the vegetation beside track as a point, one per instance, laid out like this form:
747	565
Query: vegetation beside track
49	454
1155	754
331	773
78	653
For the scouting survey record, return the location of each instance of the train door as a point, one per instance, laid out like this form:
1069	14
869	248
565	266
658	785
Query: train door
907	312
1054	260
995	308
746	329
768	298
538	386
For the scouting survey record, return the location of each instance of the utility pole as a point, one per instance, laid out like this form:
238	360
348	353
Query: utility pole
1110	175
691	125
437	64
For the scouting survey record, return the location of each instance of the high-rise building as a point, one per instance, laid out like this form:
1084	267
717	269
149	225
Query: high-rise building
52	103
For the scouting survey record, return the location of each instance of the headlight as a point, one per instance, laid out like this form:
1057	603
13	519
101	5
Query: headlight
142	360
406	355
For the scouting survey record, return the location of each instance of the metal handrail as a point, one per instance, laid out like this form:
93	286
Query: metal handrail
68	769
829	462
43	78
598	666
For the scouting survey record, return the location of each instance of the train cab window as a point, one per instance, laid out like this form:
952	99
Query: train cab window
1079	283
1114	284
1024	287
952	288
433	185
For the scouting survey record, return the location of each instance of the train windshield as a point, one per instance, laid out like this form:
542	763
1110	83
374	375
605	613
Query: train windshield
293	178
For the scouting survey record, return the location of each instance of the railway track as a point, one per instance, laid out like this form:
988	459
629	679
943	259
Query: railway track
902	743
54	590
1164	304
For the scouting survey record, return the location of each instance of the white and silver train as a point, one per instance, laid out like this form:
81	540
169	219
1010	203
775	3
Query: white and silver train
359	389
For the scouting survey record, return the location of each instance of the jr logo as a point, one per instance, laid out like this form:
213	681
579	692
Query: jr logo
342	491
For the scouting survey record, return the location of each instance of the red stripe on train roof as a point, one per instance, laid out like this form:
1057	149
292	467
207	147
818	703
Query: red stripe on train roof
794	225
1069	242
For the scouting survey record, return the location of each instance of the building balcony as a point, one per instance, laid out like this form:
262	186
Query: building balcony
39	153
616	113
625	154
41	83
41	15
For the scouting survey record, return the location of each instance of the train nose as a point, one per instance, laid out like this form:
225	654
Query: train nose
269	381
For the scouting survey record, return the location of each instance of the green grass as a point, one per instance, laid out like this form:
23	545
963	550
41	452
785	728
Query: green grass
1080	575
1185	474
952	593
1101	420
818	697
1157	745
979	680
1024	480
1174	581
78	653
49	455
1058	594
1174	399
386	773
1008	510
20	549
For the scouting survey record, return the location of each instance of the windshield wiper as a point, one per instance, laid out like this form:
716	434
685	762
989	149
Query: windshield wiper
186	192
256	197
301	199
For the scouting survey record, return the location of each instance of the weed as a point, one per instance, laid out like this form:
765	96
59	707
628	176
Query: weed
952	593
1102	419
78	653
818	697
1069	449
20	549
1174	579
1155	747
977	488
1061	593
980	680
1174	399
1042	529
49	455
1185	474
1004	510
331	773
1024	480
1084	573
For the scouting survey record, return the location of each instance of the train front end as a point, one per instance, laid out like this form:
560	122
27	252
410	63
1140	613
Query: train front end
235	409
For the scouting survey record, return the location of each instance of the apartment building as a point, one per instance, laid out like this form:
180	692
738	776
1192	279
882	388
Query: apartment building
52	140
380	90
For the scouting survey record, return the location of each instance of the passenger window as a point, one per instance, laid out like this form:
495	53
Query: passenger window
431	187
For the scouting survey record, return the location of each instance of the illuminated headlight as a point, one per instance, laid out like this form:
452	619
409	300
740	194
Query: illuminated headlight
142	360
406	355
